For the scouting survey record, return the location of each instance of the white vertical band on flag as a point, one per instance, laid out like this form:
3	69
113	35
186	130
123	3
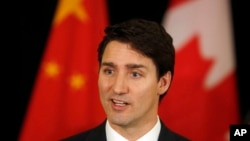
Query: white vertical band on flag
211	21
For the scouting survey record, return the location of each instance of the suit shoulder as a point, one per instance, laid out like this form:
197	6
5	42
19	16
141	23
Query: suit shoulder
94	134
168	134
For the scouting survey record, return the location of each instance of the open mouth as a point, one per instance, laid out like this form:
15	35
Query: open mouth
119	102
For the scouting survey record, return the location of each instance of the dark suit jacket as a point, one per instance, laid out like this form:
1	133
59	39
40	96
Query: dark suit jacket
99	134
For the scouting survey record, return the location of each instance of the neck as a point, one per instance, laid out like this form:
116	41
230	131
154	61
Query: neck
133	132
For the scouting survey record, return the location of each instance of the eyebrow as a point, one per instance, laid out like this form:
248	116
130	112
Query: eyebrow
134	66
107	64
131	66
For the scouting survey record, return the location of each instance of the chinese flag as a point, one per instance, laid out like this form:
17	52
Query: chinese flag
65	97
203	100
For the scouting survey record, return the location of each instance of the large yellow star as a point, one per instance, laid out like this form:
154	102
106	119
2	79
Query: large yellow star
67	7
77	81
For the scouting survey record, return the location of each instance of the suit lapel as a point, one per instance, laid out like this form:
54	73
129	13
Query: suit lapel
98	134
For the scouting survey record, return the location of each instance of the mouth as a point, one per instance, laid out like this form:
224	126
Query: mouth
119	102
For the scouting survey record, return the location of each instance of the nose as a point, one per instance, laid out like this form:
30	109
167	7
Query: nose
120	85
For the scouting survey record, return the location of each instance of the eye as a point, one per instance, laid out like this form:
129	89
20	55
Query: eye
108	71
135	74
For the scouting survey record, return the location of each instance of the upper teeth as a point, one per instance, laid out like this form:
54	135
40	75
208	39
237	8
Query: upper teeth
119	102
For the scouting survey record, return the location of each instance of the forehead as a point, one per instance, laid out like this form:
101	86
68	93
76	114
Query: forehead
120	53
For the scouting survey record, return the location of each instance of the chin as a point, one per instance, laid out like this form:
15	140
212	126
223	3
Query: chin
118	120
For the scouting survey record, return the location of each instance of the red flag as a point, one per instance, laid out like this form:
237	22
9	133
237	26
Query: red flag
65	97
203	100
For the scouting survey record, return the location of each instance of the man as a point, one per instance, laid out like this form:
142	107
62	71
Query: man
136	67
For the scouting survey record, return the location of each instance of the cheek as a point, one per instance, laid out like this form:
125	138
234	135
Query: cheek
146	89
103	84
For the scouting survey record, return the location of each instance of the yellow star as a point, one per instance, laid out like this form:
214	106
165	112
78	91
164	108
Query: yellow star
67	7
77	81
51	69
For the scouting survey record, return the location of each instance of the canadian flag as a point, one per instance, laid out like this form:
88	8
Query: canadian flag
203	100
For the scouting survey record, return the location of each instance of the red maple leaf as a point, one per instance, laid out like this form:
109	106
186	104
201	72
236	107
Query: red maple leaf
189	108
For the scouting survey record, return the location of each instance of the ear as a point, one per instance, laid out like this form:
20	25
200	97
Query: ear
164	83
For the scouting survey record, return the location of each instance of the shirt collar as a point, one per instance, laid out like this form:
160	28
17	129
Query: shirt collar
152	135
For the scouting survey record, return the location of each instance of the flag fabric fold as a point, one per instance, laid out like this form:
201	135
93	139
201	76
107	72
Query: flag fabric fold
65	97
202	103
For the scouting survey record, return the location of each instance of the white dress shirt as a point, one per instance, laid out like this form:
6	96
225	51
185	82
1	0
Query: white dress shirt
152	135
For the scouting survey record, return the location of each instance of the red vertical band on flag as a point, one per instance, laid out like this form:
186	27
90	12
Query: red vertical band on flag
203	100
65	97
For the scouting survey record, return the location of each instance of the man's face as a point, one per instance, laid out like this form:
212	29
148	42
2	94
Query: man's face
128	86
